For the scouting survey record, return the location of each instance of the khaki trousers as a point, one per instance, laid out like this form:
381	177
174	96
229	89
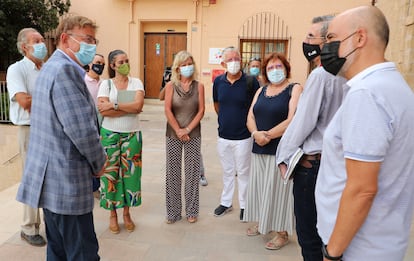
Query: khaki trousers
31	216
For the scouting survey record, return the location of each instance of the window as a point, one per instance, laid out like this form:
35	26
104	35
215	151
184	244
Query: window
250	48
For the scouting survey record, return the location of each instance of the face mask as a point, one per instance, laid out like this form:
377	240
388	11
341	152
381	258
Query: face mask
330	59
311	51
124	69
254	71
276	76
98	68
187	71
86	52
39	51
233	67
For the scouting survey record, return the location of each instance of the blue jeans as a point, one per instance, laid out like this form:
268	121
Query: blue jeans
304	181
70	237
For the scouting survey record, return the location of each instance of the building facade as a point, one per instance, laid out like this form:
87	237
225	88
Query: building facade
152	31
400	15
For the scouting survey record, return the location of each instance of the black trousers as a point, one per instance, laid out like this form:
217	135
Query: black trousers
304	181
70	237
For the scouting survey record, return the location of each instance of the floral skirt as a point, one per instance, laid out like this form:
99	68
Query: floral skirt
121	183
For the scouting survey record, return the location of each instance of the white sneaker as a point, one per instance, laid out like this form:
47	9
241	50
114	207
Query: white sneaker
203	181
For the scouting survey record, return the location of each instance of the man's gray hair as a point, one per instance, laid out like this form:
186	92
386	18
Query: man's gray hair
22	38
227	50
325	20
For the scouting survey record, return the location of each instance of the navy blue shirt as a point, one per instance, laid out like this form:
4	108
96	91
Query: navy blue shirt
234	102
268	112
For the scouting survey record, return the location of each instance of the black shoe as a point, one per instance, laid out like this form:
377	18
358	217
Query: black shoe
241	214
221	210
35	240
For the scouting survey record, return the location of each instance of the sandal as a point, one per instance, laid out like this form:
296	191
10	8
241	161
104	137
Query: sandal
114	228
253	231
129	226
192	219
279	241
172	221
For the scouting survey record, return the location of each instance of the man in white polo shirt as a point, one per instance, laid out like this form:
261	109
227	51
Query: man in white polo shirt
21	77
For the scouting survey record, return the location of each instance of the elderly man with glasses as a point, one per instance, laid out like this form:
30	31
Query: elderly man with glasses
65	151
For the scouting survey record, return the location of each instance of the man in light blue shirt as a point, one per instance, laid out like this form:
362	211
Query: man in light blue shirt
21	77
364	192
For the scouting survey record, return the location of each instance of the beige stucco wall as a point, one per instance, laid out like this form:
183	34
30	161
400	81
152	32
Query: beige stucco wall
400	16
122	24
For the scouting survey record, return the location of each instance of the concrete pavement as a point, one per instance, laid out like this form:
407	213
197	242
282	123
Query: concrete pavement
211	238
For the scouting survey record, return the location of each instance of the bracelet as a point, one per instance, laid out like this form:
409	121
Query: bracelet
187	129
253	132
327	256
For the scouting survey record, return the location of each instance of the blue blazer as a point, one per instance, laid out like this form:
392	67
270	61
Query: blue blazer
64	147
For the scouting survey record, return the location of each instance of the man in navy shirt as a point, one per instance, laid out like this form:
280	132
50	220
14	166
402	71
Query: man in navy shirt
233	92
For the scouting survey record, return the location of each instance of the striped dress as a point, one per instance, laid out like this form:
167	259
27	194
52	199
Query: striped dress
269	200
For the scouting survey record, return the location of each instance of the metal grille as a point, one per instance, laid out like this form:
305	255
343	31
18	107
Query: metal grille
261	34
4	103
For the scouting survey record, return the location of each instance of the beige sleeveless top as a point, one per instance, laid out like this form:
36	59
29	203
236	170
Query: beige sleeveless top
185	108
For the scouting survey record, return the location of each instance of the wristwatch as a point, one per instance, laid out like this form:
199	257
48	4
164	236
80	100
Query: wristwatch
116	106
327	256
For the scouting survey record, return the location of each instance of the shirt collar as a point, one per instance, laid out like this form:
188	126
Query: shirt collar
30	62
90	79
368	71
80	68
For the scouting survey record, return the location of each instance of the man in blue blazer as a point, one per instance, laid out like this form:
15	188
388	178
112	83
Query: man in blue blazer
64	148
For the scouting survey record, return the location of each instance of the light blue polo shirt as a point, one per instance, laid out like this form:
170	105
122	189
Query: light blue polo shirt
374	124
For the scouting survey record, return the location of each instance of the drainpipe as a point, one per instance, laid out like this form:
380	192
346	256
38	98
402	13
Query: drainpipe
131	6
195	2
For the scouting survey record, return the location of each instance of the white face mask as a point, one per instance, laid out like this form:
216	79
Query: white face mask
276	76
233	67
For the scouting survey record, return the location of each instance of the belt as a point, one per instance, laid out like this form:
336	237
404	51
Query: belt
306	160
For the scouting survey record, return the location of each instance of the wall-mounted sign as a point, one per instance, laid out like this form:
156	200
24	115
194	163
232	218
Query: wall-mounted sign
214	55
215	73
157	49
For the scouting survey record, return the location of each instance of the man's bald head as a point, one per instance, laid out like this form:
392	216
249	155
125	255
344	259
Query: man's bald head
370	18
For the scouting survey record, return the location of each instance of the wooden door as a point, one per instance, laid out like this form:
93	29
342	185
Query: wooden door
160	49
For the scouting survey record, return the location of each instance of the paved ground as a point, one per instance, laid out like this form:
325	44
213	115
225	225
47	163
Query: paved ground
211	238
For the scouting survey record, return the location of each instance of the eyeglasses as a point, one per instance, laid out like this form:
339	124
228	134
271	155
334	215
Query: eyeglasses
255	59
311	37
86	38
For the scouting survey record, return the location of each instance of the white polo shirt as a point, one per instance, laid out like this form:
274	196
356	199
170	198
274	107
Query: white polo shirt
374	124
21	77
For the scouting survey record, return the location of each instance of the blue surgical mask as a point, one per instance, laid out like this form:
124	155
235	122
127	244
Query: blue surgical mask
39	51
254	71
276	76
86	52
187	71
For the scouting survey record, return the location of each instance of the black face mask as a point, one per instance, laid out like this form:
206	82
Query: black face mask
330	59
98	68
311	51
